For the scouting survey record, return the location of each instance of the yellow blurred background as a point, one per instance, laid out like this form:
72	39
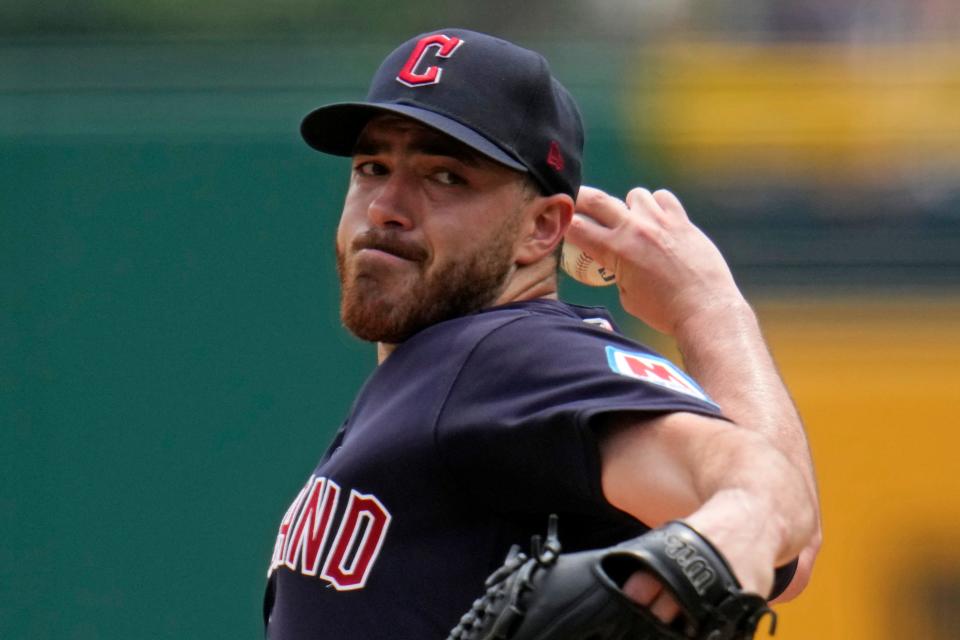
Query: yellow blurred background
877	385
829	113
875	373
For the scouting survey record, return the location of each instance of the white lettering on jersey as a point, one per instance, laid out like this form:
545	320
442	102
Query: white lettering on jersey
307	525
358	542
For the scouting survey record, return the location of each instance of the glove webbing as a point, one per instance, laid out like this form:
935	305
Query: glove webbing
511	613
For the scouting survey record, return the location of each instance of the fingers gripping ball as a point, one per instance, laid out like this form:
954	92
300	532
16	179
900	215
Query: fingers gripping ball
572	596
582	267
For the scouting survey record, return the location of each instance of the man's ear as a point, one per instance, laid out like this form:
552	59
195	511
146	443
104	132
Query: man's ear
545	222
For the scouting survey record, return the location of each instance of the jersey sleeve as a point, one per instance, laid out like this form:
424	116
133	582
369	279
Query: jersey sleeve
515	429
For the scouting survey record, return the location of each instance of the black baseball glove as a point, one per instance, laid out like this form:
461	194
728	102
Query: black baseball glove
578	596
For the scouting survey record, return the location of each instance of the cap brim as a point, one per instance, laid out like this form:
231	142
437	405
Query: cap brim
335	128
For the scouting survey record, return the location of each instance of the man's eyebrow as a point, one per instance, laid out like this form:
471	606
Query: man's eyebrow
441	146
371	144
365	146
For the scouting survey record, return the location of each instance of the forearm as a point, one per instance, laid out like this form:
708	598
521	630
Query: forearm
739	373
672	277
740	478
724	350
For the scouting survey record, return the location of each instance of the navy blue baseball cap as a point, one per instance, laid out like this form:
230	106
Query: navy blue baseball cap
496	97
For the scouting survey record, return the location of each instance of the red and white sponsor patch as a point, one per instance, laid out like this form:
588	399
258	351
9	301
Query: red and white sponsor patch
654	370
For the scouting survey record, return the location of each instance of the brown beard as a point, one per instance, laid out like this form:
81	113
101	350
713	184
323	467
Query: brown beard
469	284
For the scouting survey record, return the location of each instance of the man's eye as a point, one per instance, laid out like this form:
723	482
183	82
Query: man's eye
370	169
447	177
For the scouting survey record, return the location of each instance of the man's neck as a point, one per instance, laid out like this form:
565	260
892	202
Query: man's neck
384	349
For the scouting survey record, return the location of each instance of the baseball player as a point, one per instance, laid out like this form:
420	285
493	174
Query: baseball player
494	404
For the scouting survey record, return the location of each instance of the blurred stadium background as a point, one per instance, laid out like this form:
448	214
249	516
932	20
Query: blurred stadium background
171	363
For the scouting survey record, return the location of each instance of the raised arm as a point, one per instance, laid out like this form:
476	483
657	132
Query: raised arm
671	276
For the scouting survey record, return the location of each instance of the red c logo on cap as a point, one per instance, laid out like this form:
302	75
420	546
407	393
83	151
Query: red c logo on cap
446	46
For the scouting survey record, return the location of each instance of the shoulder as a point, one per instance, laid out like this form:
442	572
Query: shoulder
538	339
548	338
551	354
477	345
542	325
532	322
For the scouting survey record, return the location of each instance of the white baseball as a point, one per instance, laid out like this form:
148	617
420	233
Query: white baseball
583	268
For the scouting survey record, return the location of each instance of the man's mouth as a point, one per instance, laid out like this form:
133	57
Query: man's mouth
389	243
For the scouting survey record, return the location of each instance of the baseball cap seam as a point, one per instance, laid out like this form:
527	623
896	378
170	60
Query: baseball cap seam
480	130
527	110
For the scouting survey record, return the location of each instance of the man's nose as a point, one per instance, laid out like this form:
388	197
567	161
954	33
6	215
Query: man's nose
392	206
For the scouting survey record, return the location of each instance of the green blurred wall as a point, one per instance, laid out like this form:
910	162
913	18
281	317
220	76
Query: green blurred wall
172	366
171	360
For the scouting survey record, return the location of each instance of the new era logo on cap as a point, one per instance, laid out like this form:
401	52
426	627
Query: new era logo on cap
492	95
555	156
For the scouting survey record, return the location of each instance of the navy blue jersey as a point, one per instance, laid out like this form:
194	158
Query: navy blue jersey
459	445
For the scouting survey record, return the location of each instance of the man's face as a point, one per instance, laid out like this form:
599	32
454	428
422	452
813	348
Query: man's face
428	232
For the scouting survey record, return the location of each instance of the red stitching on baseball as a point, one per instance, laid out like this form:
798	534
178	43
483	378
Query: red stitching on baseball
583	263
